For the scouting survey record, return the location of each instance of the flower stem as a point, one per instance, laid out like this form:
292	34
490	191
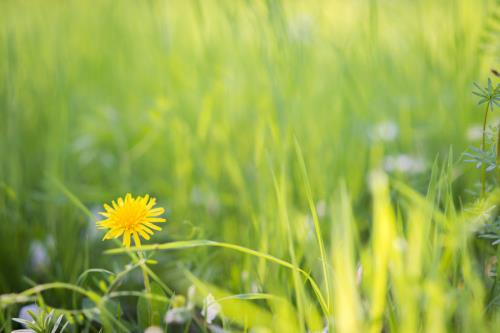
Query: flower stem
483	148
147	285
498	154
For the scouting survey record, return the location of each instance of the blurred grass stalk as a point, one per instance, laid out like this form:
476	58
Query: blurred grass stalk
205	103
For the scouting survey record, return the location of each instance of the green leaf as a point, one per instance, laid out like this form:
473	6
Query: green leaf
151	308
114	308
158	307
142	313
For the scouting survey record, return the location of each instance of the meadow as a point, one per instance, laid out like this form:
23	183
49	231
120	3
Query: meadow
309	157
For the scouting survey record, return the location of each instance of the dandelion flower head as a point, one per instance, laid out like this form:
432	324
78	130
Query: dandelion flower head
131	217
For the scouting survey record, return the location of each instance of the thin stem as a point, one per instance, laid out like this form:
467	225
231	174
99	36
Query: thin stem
498	154
483	148
202	243
147	285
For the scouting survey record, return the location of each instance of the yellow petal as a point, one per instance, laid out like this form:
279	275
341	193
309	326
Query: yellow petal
155	219
152	226
107	235
143	234
103	223
156	211
151	203
137	239
126	238
116	233
146	229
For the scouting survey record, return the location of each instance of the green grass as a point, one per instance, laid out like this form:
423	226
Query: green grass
251	123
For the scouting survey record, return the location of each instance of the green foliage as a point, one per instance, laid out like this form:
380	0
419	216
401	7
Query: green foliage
302	150
43	322
152	312
489	95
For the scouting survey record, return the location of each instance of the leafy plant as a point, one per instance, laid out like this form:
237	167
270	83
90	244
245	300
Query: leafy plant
487	157
43	322
491	232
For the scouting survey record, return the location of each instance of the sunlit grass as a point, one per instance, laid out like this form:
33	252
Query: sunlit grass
301	151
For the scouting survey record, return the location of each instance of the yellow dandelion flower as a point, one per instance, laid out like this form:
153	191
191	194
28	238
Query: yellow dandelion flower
131	217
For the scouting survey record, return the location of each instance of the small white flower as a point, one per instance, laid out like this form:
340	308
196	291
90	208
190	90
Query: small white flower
177	316
474	133
153	329
404	164
39	257
190	297
400	244
321	208
180	311
210	308
385	131
23	313
300	28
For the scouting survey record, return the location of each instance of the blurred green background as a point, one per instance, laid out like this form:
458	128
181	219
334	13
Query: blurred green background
199	103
